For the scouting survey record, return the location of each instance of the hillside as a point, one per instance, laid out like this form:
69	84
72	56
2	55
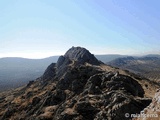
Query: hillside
109	57
78	87
147	66
16	72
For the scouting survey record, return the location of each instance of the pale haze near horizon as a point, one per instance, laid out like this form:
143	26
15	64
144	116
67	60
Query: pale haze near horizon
38	28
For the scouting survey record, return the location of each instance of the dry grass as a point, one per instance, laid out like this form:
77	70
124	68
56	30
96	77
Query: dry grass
69	111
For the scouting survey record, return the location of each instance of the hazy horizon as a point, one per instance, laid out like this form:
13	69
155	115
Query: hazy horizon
134	55
39	29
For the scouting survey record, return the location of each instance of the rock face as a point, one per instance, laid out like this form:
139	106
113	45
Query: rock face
49	72
75	56
153	110
81	55
76	88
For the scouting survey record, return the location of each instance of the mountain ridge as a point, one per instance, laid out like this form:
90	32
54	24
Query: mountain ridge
23	70
147	66
79	90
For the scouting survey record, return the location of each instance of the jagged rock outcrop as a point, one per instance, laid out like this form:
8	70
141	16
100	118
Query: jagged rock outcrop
49	72
75	56
81	55
104	96
77	87
151	112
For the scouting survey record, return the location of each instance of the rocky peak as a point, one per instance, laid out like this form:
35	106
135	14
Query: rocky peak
75	56
79	55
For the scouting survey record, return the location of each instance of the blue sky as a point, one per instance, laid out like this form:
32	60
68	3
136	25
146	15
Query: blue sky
41	28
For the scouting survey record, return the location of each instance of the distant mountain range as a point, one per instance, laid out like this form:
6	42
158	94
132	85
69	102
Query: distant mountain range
147	66
109	57
16	71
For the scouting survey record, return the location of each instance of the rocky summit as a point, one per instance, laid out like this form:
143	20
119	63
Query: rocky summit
78	87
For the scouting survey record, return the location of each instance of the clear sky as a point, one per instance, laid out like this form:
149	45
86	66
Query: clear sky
42	28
